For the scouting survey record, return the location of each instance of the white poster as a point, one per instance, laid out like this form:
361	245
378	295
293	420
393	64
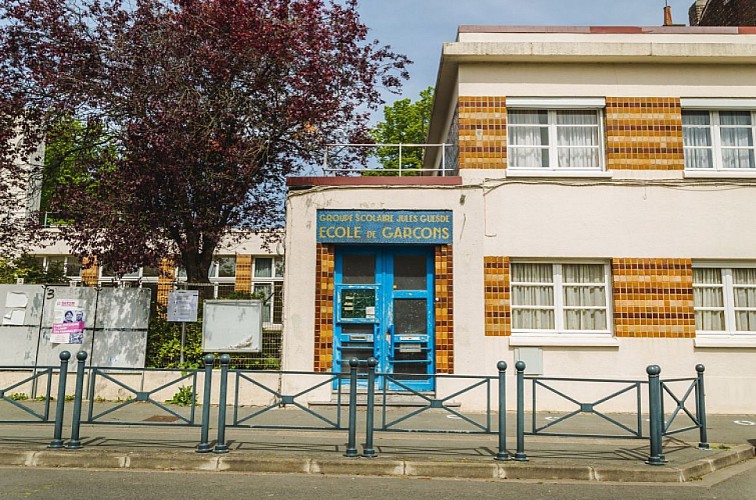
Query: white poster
68	322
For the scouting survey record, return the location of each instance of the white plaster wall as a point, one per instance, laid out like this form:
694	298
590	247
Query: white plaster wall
607	79
550	221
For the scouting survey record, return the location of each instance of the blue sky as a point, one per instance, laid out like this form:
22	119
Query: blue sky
417	28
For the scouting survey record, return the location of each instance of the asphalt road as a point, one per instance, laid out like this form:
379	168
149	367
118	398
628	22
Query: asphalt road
735	483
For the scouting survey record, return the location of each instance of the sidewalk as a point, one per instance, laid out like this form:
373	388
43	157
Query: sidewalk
411	454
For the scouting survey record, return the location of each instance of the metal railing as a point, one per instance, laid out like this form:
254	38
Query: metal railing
19	400
693	388
400	171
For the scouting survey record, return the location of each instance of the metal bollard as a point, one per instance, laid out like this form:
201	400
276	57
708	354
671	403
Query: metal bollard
656	417
57	441
75	443
520	455
351	450
204	445
220	443
503	454
701	408
368	451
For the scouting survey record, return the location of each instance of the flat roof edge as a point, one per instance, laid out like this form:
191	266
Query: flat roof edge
697	30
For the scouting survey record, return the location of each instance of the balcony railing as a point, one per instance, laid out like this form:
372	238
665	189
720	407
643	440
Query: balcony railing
444	170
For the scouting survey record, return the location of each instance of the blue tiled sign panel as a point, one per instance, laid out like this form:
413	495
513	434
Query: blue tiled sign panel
395	227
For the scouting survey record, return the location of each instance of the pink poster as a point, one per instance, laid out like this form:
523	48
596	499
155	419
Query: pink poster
68	322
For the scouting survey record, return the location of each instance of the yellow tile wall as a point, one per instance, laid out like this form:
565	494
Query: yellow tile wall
482	132
653	298
324	290
644	133
444	308
496	284
243	273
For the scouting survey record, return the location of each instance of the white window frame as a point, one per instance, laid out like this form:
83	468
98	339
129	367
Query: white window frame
272	280
552	105
728	299
716	147
559	308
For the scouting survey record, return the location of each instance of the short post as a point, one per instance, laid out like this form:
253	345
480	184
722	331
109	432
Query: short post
701	408
351	450
503	454
57	441
656	419
520	455
204	445
368	451
75	443
220	443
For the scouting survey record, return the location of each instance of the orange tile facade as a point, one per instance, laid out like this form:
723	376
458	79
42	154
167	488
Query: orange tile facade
243	273
482	132
653	298
324	289
166	279
444	308
496	276
90	271
644	133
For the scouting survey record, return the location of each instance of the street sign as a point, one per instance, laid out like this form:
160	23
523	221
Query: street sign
182	305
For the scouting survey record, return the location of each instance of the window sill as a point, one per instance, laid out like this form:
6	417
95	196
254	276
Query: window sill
720	174
533	172
557	340
725	341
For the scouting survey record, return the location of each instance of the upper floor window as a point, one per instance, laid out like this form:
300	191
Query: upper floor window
724	300
555	139
560	298
719	140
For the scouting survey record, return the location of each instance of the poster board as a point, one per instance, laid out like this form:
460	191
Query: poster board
232	326
182	306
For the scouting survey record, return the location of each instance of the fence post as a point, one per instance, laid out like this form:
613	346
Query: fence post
368	450
57	441
220	443
204	445
503	454
75	443
701	408
351	450
656	418
520	455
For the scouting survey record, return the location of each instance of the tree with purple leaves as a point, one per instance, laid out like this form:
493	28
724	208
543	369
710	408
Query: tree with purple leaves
193	113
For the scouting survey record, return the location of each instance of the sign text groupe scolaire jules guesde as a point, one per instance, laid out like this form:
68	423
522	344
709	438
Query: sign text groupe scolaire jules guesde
428	227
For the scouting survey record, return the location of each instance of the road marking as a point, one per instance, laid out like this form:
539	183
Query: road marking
454	417
744	422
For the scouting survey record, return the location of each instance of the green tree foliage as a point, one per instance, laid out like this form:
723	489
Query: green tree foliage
404	122
30	269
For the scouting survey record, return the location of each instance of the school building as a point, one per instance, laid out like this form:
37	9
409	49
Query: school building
593	212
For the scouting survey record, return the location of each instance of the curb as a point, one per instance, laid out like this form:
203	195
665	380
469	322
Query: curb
191	461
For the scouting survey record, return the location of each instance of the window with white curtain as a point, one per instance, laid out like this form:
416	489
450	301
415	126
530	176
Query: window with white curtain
556	139
560	298
719	140
724	300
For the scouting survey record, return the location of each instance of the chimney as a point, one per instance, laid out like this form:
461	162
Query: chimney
667	15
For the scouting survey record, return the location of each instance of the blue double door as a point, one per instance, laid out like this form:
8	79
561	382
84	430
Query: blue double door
384	309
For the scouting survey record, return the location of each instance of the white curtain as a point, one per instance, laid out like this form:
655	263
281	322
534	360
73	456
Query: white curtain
528	138
744	284
538	296
710	297
697	139
584	296
737	139
578	139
